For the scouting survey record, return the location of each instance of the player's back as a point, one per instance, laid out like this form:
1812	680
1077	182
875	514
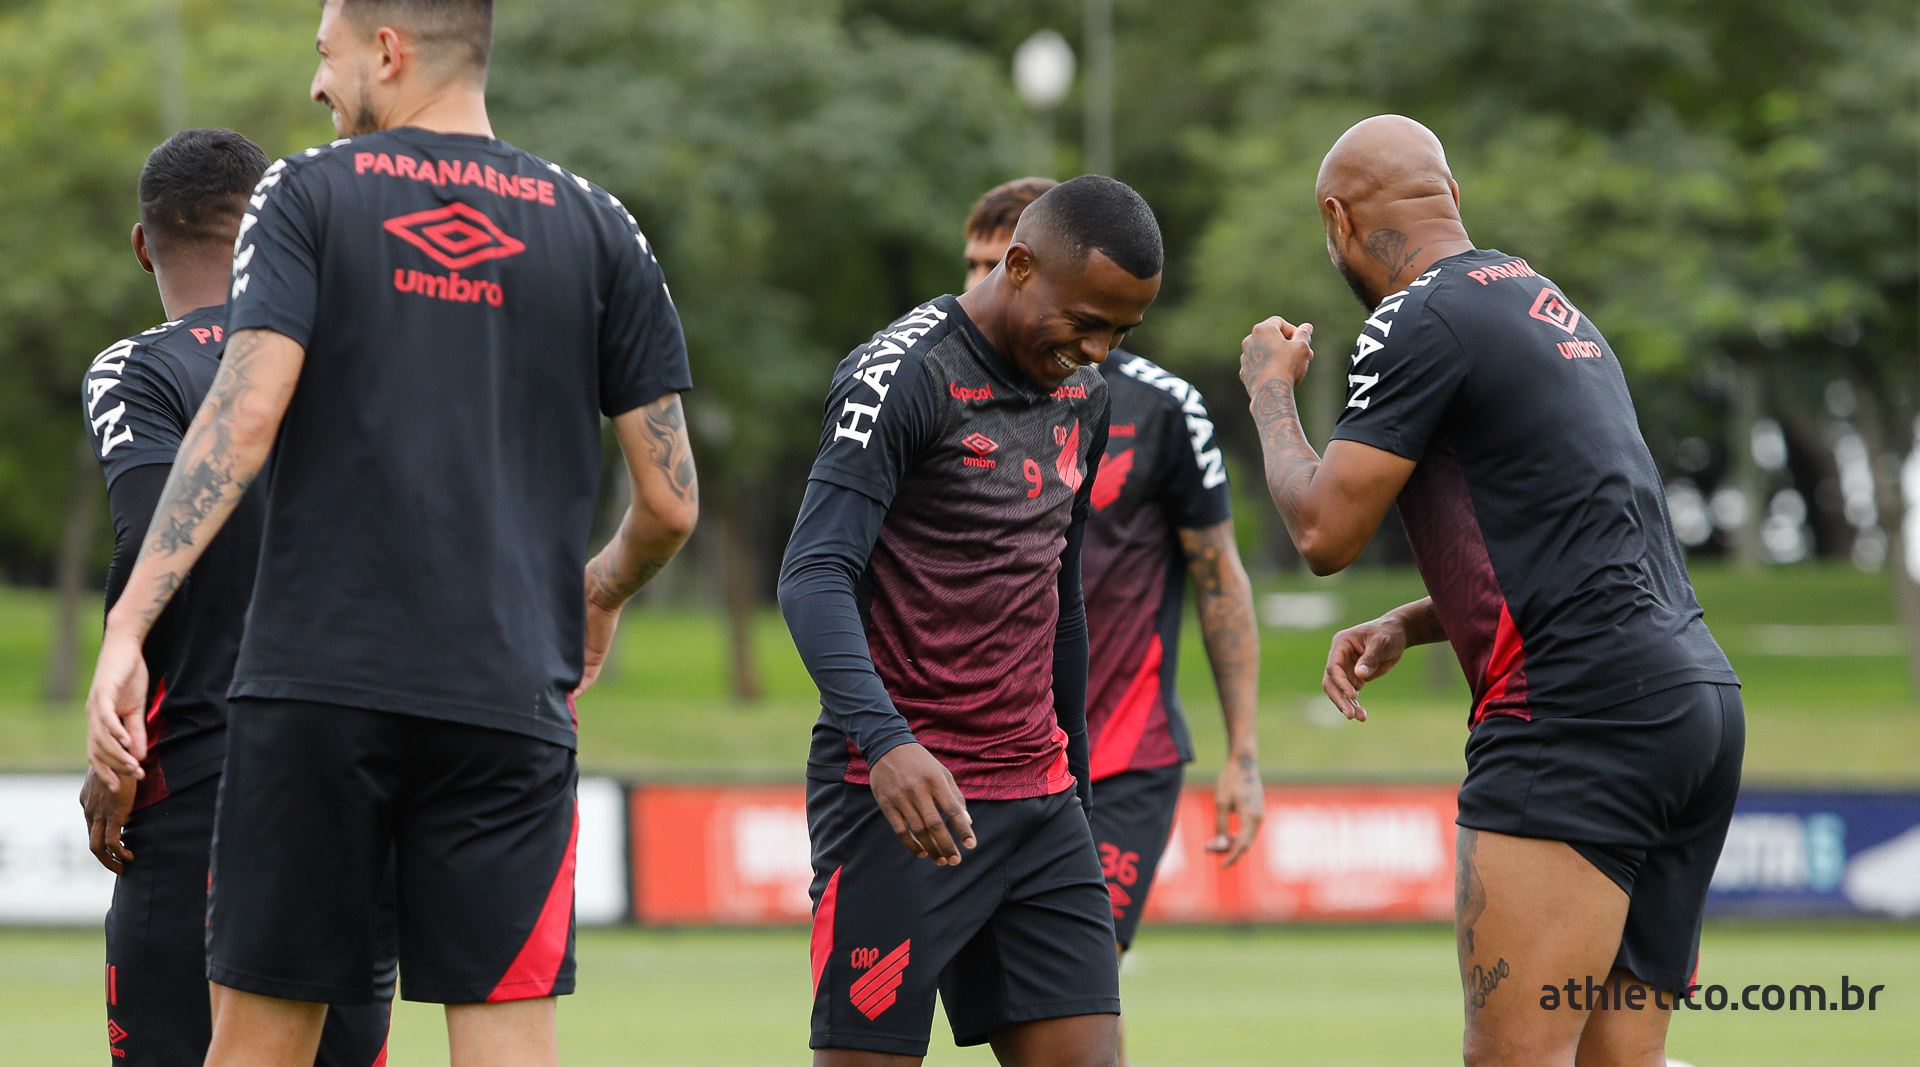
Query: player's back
1536	513
468	312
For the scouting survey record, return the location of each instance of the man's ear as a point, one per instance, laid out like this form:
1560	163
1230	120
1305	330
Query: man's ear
1019	265
395	52
140	248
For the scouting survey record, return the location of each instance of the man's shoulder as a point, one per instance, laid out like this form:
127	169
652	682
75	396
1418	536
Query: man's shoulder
927	333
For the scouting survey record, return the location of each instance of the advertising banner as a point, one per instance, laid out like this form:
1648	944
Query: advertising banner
1820	853
739	854
48	876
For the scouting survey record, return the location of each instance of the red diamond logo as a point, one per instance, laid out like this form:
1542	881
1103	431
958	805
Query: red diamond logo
980	443
1552	308
114	1033
456	236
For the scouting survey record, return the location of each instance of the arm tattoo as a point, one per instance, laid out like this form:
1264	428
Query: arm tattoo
1422	623
1390	248
1231	633
1290	461
209	476
667	447
607	586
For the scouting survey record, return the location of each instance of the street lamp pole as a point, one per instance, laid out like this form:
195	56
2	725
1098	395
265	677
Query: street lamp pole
1098	42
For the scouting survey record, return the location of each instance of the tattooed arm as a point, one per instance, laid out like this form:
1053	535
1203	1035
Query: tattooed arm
1225	599
218	459
1331	506
666	504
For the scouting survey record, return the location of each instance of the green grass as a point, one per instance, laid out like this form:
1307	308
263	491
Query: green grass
1303	995
1830	702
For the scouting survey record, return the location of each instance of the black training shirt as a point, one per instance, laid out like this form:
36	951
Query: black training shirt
140	395
469	312
1536	515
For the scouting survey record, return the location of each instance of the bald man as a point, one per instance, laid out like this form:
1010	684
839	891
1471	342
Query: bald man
1606	725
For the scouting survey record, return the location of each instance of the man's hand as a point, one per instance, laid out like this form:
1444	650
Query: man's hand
602	623
1358	656
106	810
920	800
1237	792
1276	350
116	719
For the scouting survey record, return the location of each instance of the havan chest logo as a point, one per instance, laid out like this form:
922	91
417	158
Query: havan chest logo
457	237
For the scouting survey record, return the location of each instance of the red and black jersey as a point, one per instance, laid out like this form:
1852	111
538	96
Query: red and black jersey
1163	472
1536	515
469	313
139	397
980	473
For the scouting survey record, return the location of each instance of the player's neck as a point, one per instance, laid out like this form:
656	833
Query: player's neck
985	304
199	282
1432	240
457	109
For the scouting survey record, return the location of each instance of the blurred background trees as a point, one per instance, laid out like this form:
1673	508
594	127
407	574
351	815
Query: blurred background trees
1727	186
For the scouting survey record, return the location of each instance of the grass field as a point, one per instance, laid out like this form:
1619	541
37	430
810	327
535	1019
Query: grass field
1827	693
1221	998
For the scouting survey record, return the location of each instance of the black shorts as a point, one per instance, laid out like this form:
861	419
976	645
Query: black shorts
481	826
1644	791
157	1005
1132	820
1018	931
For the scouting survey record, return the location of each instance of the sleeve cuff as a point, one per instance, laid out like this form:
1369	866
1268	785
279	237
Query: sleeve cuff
1380	439
887	742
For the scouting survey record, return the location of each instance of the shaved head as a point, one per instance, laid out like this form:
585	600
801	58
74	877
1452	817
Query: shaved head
1389	203
1386	159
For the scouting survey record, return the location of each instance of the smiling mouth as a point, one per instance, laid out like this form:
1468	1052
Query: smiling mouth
1064	363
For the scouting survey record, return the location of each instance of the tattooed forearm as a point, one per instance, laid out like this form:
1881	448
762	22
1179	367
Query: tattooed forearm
1421	622
1290	461
667	446
666	502
1224	597
219	457
1390	248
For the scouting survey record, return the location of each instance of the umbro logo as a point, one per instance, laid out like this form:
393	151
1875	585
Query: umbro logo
876	990
1552	308
115	1035
456	236
980	443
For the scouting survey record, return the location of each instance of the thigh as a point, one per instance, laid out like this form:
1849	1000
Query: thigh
1047	952
1132	818
157	1008
1627	1026
484	838
1530	915
301	840
886	923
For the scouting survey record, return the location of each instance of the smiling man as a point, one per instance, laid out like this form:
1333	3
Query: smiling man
425	326
933	589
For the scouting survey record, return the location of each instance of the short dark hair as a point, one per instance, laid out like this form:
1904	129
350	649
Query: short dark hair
1000	208
194	187
1096	213
436	24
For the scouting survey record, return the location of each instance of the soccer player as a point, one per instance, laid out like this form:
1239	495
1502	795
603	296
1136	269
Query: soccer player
1162	512
138	397
1607	728
932	586
425	325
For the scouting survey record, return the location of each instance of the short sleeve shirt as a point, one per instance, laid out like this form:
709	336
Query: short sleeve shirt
1536	515
468	313
1163	472
139	396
